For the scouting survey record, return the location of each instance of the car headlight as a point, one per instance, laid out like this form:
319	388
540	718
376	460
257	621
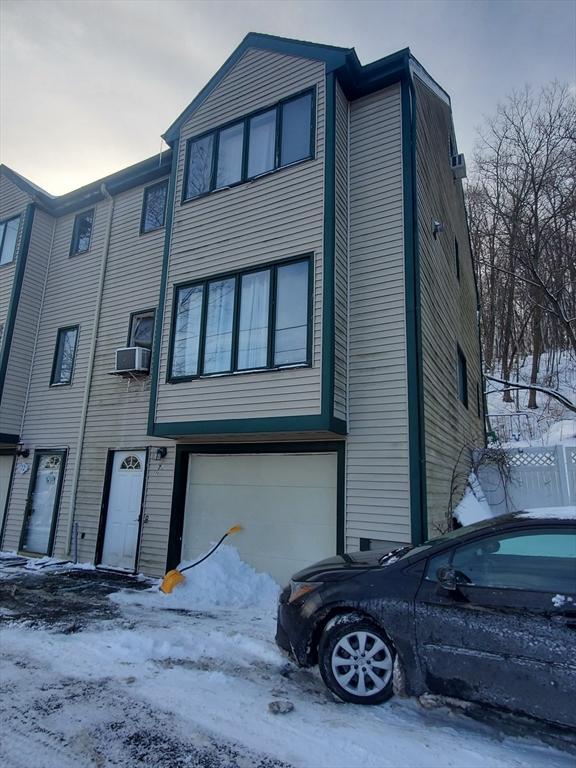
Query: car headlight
300	588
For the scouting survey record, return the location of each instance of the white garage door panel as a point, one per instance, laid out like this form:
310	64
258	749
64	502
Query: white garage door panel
286	504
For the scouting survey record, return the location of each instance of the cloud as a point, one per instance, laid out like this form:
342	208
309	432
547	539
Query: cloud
88	87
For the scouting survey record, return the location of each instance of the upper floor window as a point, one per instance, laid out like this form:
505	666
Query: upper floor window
154	207
257	144
64	355
141	331
462	373
82	233
249	321
8	237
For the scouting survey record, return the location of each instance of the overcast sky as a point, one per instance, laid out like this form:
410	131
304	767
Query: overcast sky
88	87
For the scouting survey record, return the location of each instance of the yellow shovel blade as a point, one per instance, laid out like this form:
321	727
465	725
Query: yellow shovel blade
171	580
233	530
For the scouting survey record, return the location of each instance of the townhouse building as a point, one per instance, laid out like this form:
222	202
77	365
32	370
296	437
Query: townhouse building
272	324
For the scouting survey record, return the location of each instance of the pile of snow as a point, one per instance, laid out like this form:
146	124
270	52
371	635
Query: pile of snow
221	581
548	513
474	506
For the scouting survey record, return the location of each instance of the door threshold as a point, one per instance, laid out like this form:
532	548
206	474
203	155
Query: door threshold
112	569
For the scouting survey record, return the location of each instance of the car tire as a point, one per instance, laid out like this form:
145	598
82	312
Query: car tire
352	676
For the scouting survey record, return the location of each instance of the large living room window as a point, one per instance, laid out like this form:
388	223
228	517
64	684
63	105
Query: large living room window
253	320
250	147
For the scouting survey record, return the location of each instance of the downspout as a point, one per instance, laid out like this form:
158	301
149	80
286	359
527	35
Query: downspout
89	372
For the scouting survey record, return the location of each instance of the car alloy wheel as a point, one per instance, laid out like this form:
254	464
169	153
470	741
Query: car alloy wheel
357	661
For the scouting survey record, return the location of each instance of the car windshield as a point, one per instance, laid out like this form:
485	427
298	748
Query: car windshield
408	551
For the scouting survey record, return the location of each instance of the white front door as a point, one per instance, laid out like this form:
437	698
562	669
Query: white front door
123	512
5	474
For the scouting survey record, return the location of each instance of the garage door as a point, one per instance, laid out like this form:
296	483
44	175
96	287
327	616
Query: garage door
286	504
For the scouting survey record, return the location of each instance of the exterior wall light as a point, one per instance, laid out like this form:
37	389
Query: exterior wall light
161	453
21	450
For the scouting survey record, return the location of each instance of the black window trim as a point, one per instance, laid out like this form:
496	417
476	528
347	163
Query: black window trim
462	364
73	244
6	222
245	120
60	331
237	275
147	189
150	311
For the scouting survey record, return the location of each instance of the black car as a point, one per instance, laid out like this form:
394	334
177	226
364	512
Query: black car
486	613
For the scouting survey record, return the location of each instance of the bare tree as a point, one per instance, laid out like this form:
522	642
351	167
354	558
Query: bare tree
522	208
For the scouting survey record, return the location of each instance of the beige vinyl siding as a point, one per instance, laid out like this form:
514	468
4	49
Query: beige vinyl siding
118	407
26	324
448	311
341	242
273	218
53	413
12	202
377	488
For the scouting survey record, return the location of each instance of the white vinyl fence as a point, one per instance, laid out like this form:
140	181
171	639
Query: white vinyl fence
539	477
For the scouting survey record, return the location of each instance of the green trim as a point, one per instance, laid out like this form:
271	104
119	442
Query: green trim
174	553
329	262
245	120
9	439
242	426
417	454
272	267
19	272
147	190
159	319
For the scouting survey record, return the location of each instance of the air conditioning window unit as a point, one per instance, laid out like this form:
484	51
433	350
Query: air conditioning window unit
458	164
132	360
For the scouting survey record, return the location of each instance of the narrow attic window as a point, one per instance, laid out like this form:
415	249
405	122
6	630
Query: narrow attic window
82	233
8	237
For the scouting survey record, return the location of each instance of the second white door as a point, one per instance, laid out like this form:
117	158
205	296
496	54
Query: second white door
123	511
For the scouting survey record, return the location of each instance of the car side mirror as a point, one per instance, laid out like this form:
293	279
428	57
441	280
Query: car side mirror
448	578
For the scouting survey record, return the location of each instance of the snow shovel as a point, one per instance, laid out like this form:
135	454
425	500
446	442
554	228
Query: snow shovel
175	577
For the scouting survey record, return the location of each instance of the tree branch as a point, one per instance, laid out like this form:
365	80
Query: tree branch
553	393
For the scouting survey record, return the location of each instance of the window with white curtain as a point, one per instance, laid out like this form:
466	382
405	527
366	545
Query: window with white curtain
262	143
253	329
254	320
254	145
219	321
230	144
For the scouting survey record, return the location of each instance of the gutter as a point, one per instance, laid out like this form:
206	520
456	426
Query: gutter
91	355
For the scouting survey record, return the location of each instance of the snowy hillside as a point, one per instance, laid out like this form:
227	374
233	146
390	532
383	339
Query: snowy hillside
549	424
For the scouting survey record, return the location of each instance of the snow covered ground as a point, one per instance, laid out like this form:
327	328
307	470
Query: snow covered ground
142	679
549	424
